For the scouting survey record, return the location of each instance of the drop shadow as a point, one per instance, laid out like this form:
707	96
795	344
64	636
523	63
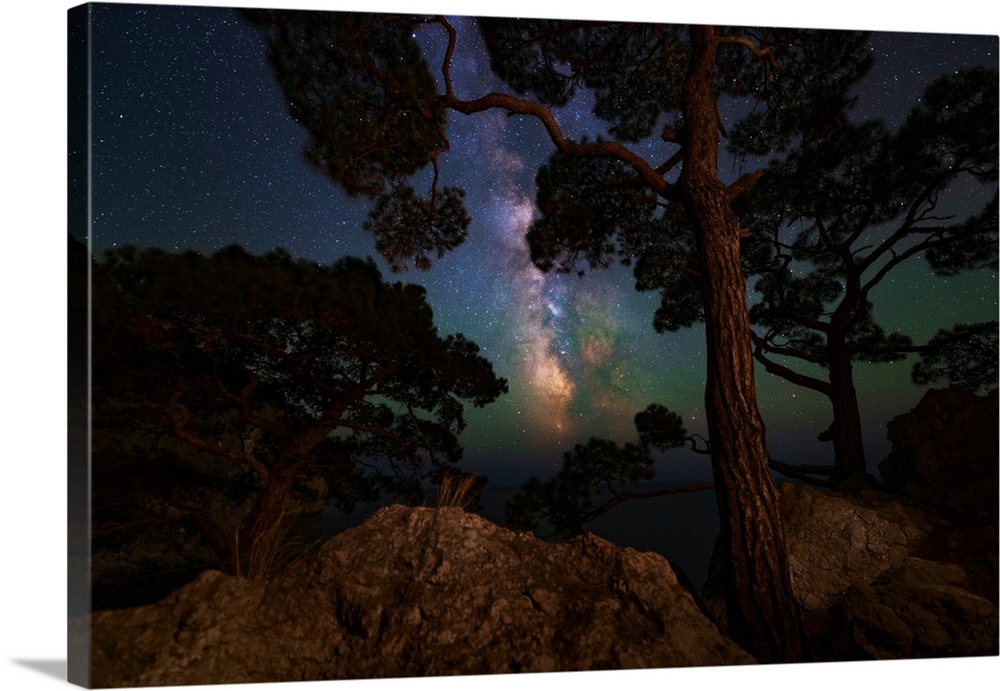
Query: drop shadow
57	669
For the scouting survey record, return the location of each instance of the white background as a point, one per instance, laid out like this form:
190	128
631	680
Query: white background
33	222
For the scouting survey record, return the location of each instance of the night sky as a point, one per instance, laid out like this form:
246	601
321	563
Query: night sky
194	149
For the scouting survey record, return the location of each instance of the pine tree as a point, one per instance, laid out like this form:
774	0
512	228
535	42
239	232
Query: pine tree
361	87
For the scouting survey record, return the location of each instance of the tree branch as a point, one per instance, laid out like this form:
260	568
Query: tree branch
787	373
621	497
243	400
803	473
599	149
178	415
744	183
762	53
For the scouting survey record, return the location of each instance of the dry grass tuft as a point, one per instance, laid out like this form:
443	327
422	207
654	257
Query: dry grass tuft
269	553
457	489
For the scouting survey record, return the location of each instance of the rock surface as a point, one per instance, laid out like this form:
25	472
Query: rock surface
911	572
417	592
920	609
945	451
907	573
944	459
864	592
837	541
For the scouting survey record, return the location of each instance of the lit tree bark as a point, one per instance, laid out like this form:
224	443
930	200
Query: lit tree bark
762	613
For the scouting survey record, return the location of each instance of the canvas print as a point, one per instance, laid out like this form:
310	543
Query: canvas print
407	345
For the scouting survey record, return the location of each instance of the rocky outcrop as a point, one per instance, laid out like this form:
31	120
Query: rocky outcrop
920	609
417	592
944	459
837	541
864	592
944	451
911	572
900	574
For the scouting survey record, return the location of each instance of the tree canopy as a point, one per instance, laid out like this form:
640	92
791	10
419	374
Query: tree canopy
360	85
285	369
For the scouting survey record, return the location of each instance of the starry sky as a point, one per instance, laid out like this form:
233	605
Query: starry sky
193	149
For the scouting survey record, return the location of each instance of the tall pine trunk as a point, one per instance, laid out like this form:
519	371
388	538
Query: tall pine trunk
761	611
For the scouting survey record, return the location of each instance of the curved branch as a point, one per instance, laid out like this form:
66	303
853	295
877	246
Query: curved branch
518	106
178	415
671	162
914	214
895	261
449	52
243	401
707	451
621	497
803	473
382	432
773	349
762	53
600	149
787	373
744	183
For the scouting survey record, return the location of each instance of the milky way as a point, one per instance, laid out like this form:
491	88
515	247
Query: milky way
574	374
535	307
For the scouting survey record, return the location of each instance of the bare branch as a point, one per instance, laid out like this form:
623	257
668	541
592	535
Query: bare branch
803	473
744	183
764	54
787	373
599	149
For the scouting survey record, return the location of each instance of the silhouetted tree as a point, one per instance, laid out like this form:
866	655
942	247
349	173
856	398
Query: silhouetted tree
360	85
965	356
280	368
842	211
599	475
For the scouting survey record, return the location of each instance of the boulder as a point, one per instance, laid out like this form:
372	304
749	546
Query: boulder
944	451
910	571
836	541
944	459
872	583
411	592
920	609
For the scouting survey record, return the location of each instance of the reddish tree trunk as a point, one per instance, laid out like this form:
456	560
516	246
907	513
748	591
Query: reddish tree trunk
761	612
